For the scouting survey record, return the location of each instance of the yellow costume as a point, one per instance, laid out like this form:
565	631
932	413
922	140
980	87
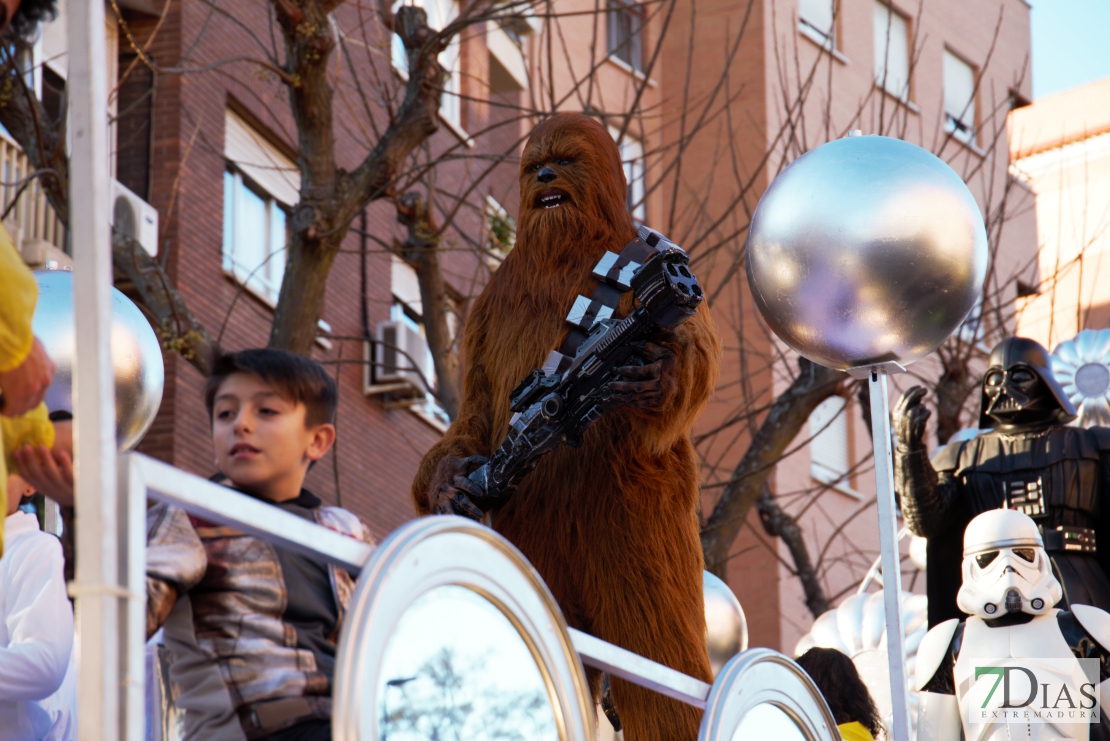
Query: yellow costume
854	732
18	294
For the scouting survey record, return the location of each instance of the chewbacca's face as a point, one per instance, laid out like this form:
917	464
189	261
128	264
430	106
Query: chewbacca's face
546	175
571	172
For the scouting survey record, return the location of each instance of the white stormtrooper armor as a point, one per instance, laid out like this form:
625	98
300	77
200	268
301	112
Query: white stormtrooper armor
1005	568
1009	592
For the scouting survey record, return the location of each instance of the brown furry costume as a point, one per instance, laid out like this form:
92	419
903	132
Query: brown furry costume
611	526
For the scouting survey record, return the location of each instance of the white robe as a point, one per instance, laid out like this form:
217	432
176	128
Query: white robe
36	636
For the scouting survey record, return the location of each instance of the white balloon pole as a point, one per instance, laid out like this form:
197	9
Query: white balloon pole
111	529
888	540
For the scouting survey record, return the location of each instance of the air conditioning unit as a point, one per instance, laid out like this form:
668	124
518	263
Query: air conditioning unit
134	217
400	361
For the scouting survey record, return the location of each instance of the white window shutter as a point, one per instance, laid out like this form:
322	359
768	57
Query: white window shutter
959	91
405	285
817	14
892	53
261	161
828	447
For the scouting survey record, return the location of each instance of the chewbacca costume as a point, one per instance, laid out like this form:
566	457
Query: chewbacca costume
611	526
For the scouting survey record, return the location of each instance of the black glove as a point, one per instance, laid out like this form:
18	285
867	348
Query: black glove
461	496
647	384
910	416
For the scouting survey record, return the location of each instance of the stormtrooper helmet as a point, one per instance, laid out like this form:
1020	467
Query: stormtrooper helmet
1005	568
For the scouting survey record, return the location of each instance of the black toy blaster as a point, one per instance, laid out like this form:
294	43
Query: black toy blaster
556	409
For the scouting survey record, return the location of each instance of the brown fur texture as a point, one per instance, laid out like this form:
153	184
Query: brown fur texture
611	526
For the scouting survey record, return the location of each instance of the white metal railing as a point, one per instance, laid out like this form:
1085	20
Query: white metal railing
32	217
142	477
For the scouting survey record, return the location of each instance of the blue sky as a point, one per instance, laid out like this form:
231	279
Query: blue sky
1071	44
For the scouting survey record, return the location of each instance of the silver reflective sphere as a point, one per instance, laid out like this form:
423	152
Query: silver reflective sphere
726	628
864	250
136	355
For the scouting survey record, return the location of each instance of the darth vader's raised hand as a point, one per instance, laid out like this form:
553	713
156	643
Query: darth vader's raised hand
647	385
452	493
910	416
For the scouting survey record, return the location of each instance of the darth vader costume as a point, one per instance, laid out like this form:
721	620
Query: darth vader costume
1028	460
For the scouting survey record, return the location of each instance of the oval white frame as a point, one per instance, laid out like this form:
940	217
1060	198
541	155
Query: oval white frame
445	550
760	676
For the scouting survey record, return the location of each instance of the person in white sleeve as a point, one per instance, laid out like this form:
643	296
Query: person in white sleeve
36	632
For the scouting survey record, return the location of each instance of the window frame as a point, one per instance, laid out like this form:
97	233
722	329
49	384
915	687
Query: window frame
839	424
262	285
633	46
428	409
494	210
450	103
881	81
636	204
826	40
958	128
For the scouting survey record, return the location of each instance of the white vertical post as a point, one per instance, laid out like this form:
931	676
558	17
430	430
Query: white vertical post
98	584
888	541
132	540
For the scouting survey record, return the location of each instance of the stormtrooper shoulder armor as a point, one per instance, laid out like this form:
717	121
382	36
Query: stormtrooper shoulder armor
1096	622
933	650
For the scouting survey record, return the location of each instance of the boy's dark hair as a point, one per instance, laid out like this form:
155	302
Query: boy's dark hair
293	376
836	676
28	14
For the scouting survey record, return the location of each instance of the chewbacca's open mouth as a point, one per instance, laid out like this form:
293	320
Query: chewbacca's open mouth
551	198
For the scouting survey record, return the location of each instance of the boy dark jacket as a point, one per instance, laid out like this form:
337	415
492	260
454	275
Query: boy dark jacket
253	643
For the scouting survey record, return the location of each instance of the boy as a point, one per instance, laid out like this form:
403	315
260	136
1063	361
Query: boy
36	630
253	640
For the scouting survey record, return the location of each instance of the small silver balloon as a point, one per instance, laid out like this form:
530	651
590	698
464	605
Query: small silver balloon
136	355
865	250
726	628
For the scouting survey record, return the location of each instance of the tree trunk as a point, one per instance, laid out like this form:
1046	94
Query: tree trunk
301	301
177	329
784	420
777	522
331	197
421	251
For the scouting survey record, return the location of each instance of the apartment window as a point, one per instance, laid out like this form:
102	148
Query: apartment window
408	310
624	35
828	446
892	53
440	14
260	184
959	98
500	229
632	160
255	237
815	17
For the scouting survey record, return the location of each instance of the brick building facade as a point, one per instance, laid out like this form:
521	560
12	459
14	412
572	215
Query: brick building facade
705	99
939	74
204	133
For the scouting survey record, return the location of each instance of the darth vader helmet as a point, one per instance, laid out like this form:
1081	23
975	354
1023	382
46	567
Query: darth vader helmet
1019	388
1005	568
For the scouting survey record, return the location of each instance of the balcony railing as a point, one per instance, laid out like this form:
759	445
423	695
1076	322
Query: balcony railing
32	220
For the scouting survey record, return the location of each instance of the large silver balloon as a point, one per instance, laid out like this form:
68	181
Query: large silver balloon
865	250
136	355
726	628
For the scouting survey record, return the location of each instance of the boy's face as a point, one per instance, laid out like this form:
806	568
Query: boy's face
261	440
